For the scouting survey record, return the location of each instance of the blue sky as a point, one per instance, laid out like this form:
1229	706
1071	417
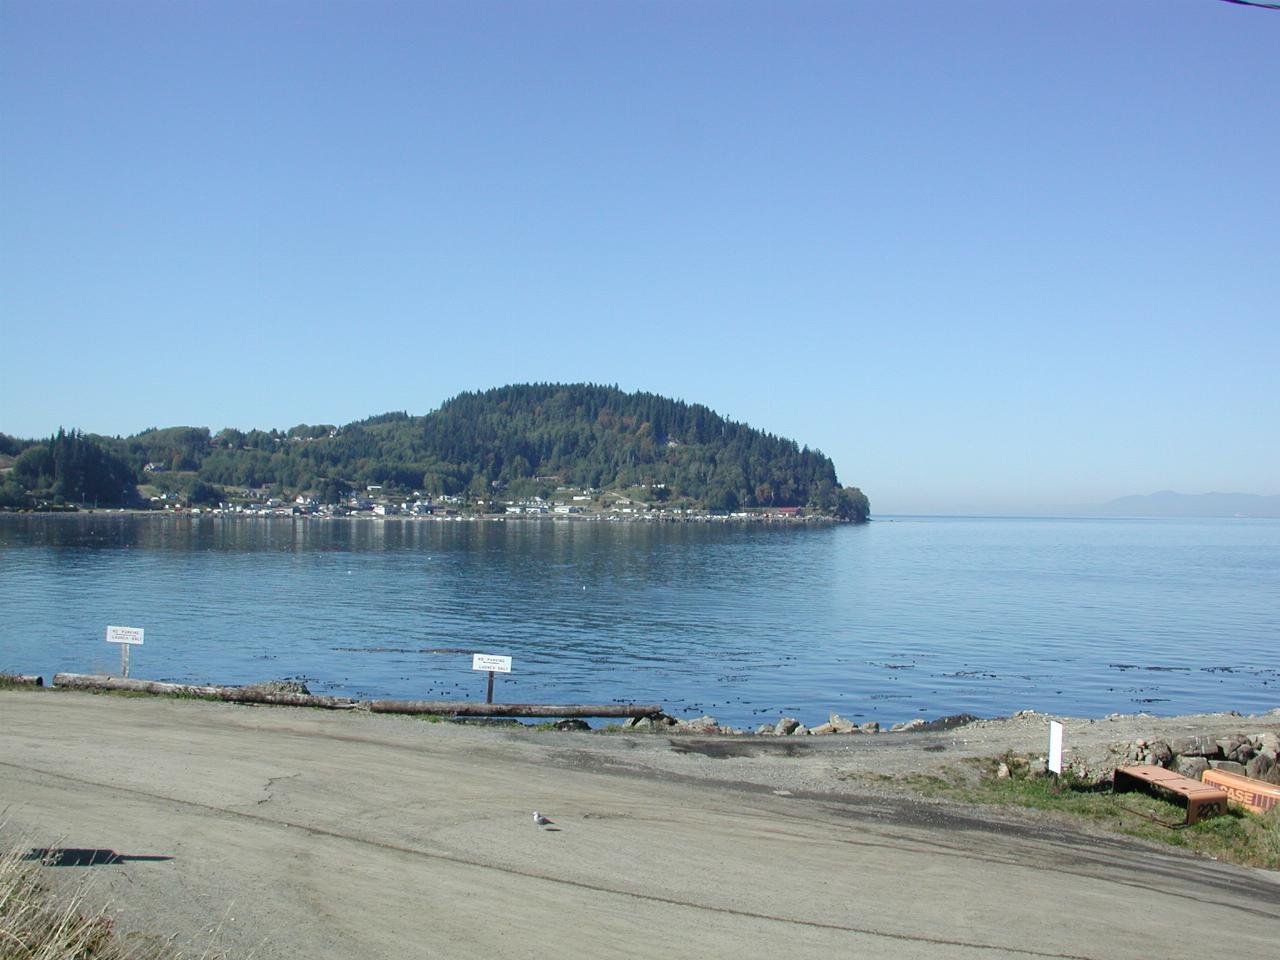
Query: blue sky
988	256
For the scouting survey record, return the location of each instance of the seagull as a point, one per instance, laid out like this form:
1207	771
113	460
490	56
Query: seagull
540	820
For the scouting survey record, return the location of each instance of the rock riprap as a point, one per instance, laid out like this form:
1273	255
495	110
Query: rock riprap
1249	755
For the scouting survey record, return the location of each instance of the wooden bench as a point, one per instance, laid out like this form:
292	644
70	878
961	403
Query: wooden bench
1203	800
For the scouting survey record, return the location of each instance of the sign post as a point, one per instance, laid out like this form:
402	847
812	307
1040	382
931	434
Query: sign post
1055	747
491	664
126	637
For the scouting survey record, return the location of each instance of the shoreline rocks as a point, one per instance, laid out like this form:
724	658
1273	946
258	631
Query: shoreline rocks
1249	755
785	726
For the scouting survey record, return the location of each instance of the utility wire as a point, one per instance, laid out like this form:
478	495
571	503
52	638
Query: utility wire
1255	3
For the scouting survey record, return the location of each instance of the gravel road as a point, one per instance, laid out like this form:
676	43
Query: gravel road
287	832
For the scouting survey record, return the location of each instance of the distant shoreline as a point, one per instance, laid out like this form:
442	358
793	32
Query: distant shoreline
586	517
257	516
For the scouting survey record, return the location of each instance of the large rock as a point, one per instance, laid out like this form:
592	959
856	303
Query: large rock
765	729
1090	775
1159	754
572	723
1235	747
800	731
1194	747
950	722
1191	767
1038	767
280	686
839	724
1228	766
657	723
1263	767
703	724
910	725
822	730
872	726
785	727
1270	742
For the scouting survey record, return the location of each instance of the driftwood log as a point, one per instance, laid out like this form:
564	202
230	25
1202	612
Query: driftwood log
454	708
82	681
23	679
473	708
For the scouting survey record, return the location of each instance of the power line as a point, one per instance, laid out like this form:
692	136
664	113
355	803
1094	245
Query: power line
1255	3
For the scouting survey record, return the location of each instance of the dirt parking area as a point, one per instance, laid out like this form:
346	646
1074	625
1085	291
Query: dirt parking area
283	832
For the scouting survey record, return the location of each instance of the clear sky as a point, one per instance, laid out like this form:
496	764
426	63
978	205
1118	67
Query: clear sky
988	256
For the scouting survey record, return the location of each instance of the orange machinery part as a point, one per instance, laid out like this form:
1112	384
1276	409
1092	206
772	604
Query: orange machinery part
1256	796
1203	800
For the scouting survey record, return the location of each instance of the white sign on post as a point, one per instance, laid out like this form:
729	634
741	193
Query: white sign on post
129	635
1055	746
491	663
126	637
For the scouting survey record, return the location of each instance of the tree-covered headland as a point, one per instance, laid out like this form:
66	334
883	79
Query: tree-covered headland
509	442
66	468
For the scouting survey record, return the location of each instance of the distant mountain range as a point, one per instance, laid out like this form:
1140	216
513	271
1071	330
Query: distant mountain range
1167	503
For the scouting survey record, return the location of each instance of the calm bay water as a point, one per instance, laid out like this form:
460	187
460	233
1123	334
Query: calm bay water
902	617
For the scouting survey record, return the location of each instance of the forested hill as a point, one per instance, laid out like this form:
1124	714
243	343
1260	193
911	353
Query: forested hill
521	440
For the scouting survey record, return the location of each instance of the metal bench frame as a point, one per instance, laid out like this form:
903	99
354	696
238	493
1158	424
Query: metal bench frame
1202	799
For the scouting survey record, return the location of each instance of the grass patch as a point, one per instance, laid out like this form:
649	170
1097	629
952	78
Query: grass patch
1236	837
174	695
144	694
9	681
38	924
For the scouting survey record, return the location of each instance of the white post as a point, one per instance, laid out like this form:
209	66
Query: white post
124	660
1055	746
